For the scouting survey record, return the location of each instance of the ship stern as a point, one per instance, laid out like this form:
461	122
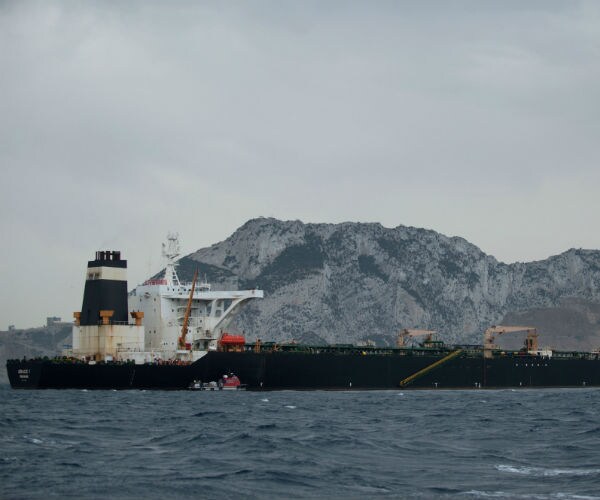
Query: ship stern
24	374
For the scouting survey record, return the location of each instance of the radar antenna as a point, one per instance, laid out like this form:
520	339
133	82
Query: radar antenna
170	251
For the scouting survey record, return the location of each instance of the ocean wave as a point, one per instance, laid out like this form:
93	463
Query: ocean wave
223	474
529	496
546	472
266	426
377	490
594	430
207	413
70	464
503	494
33	440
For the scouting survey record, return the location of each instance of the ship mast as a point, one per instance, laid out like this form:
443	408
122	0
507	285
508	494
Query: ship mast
170	251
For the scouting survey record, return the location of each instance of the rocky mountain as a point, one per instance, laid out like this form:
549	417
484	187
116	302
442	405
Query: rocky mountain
350	282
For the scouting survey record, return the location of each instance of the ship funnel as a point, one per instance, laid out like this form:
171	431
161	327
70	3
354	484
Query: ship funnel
105	290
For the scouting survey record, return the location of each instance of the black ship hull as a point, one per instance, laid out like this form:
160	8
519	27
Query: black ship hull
327	370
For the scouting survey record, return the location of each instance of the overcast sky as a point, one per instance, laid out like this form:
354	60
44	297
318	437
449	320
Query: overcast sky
121	121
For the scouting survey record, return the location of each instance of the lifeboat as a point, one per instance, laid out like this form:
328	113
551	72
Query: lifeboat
229	342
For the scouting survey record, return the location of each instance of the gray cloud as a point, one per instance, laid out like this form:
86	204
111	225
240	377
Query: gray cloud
121	122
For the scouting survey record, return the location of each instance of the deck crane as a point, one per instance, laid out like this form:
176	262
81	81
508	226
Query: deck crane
411	333
531	342
186	318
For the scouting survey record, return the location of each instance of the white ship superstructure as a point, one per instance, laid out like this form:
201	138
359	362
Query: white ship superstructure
164	301
158	310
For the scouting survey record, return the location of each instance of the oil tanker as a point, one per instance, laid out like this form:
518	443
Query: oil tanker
166	334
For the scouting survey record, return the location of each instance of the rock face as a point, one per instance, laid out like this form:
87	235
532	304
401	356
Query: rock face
350	282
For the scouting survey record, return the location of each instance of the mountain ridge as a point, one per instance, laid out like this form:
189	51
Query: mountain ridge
318	276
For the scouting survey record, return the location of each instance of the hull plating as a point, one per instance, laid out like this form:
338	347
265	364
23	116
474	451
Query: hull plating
288	370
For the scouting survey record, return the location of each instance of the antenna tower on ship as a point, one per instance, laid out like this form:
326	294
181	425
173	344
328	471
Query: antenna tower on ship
170	251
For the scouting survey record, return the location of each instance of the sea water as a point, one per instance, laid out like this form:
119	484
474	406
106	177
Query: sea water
533	444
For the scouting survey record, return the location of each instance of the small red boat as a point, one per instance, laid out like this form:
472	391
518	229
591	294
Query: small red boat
229	382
